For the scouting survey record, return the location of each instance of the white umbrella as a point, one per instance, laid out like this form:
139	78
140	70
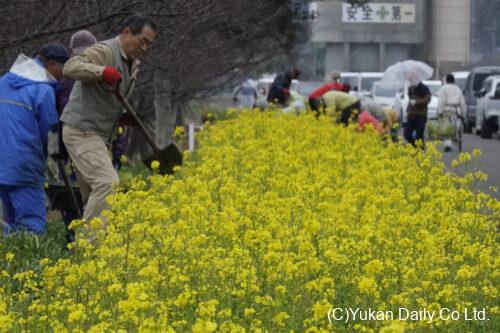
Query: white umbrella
412	71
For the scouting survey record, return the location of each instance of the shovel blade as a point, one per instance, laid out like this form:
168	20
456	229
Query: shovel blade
170	157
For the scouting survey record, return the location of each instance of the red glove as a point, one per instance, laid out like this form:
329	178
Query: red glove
111	76
286	91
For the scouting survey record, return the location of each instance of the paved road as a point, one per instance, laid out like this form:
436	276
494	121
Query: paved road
489	161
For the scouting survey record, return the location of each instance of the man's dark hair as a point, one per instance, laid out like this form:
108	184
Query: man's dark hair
450	78
137	22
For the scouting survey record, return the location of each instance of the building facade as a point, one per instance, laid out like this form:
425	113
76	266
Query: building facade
450	35
368	38
374	36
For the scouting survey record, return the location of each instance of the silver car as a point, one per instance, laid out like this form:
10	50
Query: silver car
488	107
473	85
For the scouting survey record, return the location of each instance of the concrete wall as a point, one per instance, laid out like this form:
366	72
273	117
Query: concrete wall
364	57
450	35
334	58
395	53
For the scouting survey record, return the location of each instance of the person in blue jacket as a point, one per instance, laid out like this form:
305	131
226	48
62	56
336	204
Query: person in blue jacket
27	112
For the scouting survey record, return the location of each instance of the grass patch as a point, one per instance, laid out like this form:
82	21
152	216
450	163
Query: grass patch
29	249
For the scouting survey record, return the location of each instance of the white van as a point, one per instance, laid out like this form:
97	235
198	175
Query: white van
361	83
461	78
351	78
366	81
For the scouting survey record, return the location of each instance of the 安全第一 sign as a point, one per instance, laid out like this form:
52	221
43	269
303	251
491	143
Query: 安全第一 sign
378	13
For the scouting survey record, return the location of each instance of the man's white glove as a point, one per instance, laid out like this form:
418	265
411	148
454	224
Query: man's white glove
413	102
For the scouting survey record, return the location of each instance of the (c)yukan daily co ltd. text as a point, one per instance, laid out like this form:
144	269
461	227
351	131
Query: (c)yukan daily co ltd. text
404	314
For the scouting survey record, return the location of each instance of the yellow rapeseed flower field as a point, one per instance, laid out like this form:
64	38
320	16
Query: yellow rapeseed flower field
277	223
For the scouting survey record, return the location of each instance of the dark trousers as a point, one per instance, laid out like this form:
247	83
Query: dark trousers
347	112
313	103
415	123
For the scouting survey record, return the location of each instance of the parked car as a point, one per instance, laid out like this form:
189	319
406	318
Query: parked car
461	78
305	88
351	78
402	100
401	103
361	83
434	86
473	84
366	81
488	107
383	95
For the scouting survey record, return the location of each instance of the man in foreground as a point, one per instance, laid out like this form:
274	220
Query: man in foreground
90	119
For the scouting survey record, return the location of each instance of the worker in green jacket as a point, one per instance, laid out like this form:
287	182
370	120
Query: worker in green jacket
341	104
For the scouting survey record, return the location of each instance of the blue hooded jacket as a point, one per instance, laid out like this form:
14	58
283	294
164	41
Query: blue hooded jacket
27	112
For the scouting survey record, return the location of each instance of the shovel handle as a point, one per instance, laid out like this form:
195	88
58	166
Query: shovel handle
140	124
69	187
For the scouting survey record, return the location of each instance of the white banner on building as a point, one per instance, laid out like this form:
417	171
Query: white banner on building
378	13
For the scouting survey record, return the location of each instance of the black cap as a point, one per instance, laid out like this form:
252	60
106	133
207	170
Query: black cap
55	51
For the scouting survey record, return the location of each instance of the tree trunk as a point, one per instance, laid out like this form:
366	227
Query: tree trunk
164	113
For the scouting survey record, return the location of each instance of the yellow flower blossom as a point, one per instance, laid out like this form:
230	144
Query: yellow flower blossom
179	132
155	165
9	257
273	221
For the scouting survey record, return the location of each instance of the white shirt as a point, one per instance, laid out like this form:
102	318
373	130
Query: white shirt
451	99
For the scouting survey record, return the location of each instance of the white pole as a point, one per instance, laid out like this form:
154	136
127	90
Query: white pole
191	137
